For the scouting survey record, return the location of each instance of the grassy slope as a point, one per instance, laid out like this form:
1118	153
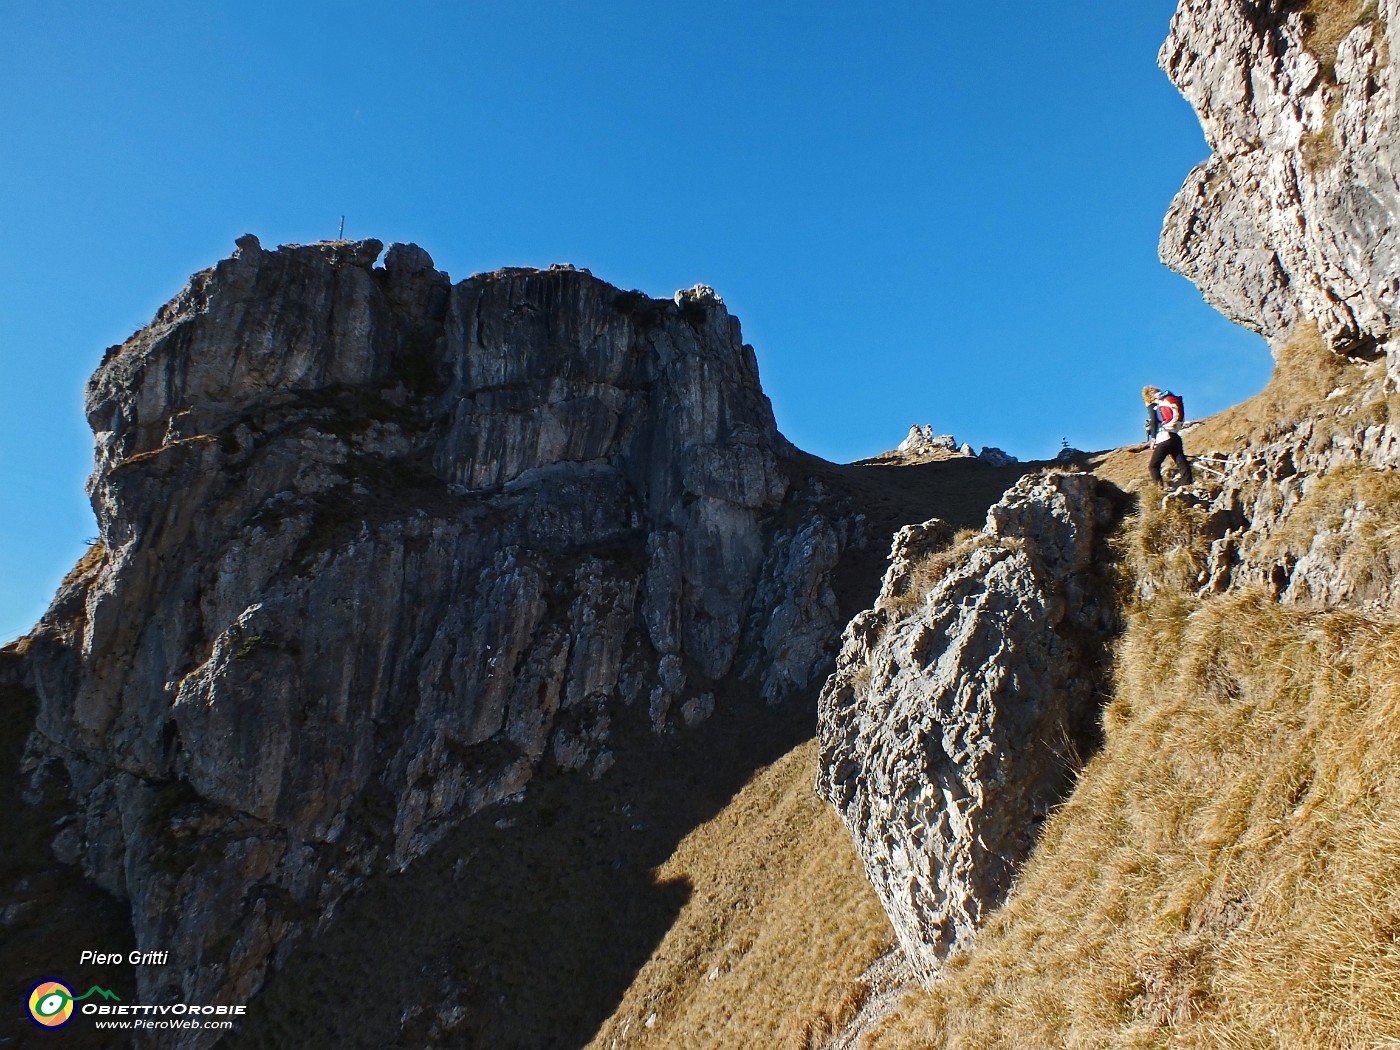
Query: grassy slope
779	923
1225	874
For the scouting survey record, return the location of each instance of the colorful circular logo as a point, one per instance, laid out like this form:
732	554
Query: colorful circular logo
51	1004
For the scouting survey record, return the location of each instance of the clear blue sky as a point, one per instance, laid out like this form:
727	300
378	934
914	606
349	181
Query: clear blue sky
930	213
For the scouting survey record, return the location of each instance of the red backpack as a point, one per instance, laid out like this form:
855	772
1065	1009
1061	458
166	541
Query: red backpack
1171	411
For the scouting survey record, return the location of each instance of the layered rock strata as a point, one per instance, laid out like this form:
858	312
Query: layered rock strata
377	548
963	701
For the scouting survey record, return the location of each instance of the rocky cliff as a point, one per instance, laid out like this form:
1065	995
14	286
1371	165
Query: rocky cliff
1290	228
377	549
1291	220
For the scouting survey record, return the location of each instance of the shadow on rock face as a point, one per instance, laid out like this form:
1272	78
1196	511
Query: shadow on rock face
49	914
525	925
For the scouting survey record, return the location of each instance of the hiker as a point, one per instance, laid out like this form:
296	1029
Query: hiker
1165	414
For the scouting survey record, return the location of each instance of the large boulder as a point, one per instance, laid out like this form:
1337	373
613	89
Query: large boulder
964	701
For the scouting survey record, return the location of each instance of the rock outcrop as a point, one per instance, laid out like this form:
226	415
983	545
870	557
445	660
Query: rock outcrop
963	701
1292	227
995	456
922	441
376	549
1291	221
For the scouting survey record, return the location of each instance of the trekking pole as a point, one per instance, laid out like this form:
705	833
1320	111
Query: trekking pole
1211	470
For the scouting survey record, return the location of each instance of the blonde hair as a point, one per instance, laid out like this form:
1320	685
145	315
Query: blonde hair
1149	394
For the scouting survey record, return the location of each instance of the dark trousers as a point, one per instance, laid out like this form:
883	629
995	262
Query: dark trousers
1170	447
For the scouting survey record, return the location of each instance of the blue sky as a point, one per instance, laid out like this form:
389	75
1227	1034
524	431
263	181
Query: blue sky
929	213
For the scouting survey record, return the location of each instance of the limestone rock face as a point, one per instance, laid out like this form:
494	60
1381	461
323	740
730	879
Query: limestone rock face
376	548
1293	218
961	701
795	611
1294	223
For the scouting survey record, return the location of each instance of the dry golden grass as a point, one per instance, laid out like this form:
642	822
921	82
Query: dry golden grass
1168	545
779	925
1305	373
1327	24
1320	145
1226	873
87	566
94	556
